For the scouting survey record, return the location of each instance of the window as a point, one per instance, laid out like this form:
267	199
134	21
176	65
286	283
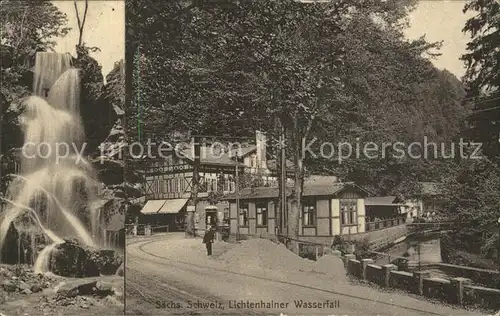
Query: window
227	185
162	186
226	216
308	213
210	184
348	212
244	214
202	184
262	214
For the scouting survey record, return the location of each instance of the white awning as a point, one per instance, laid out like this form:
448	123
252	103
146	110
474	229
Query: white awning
172	206
152	206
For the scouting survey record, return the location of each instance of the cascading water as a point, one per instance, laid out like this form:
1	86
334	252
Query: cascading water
57	188
48	68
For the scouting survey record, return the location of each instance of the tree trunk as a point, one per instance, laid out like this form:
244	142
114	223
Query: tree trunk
190	229
296	199
81	21
279	209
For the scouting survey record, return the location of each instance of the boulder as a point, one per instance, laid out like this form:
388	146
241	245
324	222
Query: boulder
26	291
72	260
88	286
9	286
106	261
77	287
23	286
103	289
35	288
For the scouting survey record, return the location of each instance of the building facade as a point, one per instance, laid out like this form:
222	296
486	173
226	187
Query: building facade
326	211
168	181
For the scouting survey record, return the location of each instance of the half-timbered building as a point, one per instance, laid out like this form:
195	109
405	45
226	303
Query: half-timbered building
169	181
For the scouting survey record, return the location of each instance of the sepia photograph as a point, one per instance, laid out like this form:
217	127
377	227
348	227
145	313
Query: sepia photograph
63	193
313	157
250	157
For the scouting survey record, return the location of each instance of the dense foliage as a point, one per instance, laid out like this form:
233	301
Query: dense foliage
473	185
483	73
473	200
482	58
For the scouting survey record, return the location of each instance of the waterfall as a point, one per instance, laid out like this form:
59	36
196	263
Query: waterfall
57	187
48	68
65	95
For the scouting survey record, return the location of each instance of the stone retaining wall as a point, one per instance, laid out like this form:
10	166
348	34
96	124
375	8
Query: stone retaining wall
488	278
457	290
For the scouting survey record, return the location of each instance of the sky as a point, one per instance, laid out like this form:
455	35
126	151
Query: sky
104	28
442	20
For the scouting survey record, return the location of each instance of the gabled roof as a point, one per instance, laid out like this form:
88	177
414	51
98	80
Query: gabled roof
243	151
310	189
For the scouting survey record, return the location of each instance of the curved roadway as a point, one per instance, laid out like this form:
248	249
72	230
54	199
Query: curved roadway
165	276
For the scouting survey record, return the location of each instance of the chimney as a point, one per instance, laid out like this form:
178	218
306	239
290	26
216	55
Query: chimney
261	150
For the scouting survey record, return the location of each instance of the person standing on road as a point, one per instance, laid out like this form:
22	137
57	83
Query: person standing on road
208	239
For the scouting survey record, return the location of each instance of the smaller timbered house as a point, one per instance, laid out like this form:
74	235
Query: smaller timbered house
326	211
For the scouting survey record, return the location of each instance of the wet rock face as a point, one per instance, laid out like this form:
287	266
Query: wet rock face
21	247
94	111
10	252
102	104
73	260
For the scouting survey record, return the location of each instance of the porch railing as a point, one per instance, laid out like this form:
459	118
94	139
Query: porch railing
381	224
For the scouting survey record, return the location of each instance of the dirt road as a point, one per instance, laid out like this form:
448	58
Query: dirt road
169	275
